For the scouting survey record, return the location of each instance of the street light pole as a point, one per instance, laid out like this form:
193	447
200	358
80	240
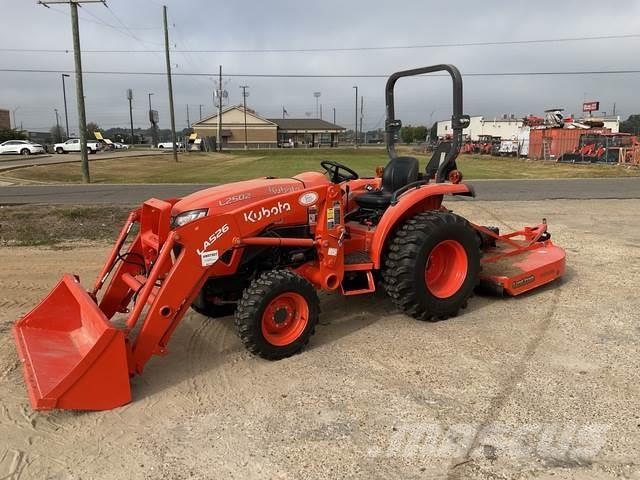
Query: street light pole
355	136
317	95
154	135
15	125
64	96
58	135
130	98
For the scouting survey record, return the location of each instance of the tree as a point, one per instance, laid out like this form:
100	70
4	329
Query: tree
12	134
92	127
407	134
56	134
631	125
420	133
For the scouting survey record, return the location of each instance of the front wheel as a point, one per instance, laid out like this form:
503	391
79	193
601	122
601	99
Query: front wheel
432	266
277	314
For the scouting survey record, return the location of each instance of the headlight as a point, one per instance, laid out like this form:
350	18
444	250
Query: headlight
188	217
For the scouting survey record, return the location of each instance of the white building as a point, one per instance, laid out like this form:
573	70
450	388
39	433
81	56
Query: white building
506	128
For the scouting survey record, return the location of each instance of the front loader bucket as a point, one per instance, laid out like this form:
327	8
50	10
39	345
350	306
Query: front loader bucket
73	357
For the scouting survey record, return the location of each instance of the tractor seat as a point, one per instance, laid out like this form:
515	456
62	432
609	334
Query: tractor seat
399	172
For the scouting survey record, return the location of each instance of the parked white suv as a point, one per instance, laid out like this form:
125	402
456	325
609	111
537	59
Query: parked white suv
73	145
23	147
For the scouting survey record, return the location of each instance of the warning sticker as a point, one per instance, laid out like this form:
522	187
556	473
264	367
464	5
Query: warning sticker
313	215
336	212
330	218
209	258
332	252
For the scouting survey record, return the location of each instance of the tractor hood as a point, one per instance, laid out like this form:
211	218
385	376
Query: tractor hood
230	196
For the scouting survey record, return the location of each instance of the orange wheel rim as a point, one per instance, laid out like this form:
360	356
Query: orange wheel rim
284	319
446	268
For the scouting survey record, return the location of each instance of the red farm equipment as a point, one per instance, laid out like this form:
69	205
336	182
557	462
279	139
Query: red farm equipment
611	148
262	249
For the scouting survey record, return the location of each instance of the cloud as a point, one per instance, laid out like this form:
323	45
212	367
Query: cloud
201	24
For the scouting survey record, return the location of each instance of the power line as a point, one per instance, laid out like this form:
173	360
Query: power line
342	49
303	75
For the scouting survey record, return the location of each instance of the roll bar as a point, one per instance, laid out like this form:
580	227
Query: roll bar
459	121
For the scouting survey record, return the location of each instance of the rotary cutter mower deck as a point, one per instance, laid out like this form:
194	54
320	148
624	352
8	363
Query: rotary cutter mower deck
261	249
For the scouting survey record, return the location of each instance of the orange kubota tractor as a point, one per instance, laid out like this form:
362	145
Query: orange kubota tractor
262	249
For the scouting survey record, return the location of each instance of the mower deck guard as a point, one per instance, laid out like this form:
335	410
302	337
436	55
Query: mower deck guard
72	356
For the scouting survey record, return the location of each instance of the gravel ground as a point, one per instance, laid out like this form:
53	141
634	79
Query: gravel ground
541	386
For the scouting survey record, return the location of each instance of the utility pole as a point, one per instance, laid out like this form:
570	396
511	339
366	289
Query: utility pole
334	115
82	118
64	96
355	128
361	114
58	134
219	133
245	94
200	111
188	122
170	85
320	111
130	98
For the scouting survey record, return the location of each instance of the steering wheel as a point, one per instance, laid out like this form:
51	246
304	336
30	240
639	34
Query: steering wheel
333	169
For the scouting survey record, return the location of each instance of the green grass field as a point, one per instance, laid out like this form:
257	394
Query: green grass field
227	167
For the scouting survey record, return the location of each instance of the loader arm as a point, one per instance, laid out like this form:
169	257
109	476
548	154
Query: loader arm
74	355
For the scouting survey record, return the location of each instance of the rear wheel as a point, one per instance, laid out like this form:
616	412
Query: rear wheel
25	152
277	314
432	266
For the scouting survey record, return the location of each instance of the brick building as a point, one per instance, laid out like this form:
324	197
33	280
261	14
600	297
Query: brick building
267	132
5	119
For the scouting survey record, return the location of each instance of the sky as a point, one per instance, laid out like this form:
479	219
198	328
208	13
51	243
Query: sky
136	26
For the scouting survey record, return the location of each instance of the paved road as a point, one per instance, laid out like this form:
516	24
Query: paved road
31	161
485	189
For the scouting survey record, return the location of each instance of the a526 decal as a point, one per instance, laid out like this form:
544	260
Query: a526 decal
212	238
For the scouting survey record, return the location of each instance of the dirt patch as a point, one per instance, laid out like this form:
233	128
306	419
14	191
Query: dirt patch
503	391
47	225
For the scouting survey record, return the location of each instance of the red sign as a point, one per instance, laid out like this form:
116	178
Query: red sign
590	106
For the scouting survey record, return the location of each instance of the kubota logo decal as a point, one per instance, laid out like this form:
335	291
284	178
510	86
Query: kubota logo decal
280	189
254	216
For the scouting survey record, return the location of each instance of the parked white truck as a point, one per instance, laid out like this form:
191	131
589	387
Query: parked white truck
73	145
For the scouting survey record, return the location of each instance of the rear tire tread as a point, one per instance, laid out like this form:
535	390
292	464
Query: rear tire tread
400	265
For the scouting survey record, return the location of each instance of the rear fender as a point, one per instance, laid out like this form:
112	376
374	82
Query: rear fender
421	199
